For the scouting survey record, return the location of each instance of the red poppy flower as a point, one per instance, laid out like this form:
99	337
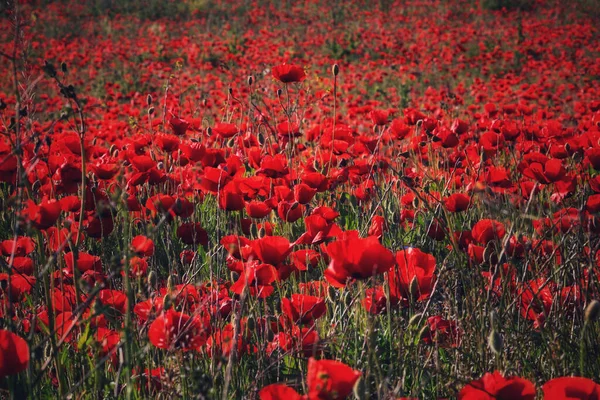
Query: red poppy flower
20	247
193	234
179	125
457	202
375	301
142	246
303	309
442	332
278	391
330	380
414	276
571	387
353	257
174	330
496	387
257	209
288	73
303	193
487	230
225	130
304	258
272	250
257	278
43	215
85	262
14	353
378	226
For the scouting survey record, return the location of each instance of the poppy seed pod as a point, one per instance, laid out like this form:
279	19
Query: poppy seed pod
335	69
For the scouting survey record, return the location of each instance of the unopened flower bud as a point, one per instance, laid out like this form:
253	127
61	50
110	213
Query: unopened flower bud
592	311
495	342
170	283
335	69
151	280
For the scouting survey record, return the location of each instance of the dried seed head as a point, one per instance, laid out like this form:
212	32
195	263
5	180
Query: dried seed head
592	311
335	69
495	342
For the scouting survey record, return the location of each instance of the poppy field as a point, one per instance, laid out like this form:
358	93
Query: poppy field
300	200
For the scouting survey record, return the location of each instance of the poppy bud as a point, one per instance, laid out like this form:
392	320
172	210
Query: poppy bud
170	283
250	80
208	131
151	111
495	342
63	67
230	142
230	90
250	324
151	280
149	100
335	69
261	138
261	232
592	311
167	302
